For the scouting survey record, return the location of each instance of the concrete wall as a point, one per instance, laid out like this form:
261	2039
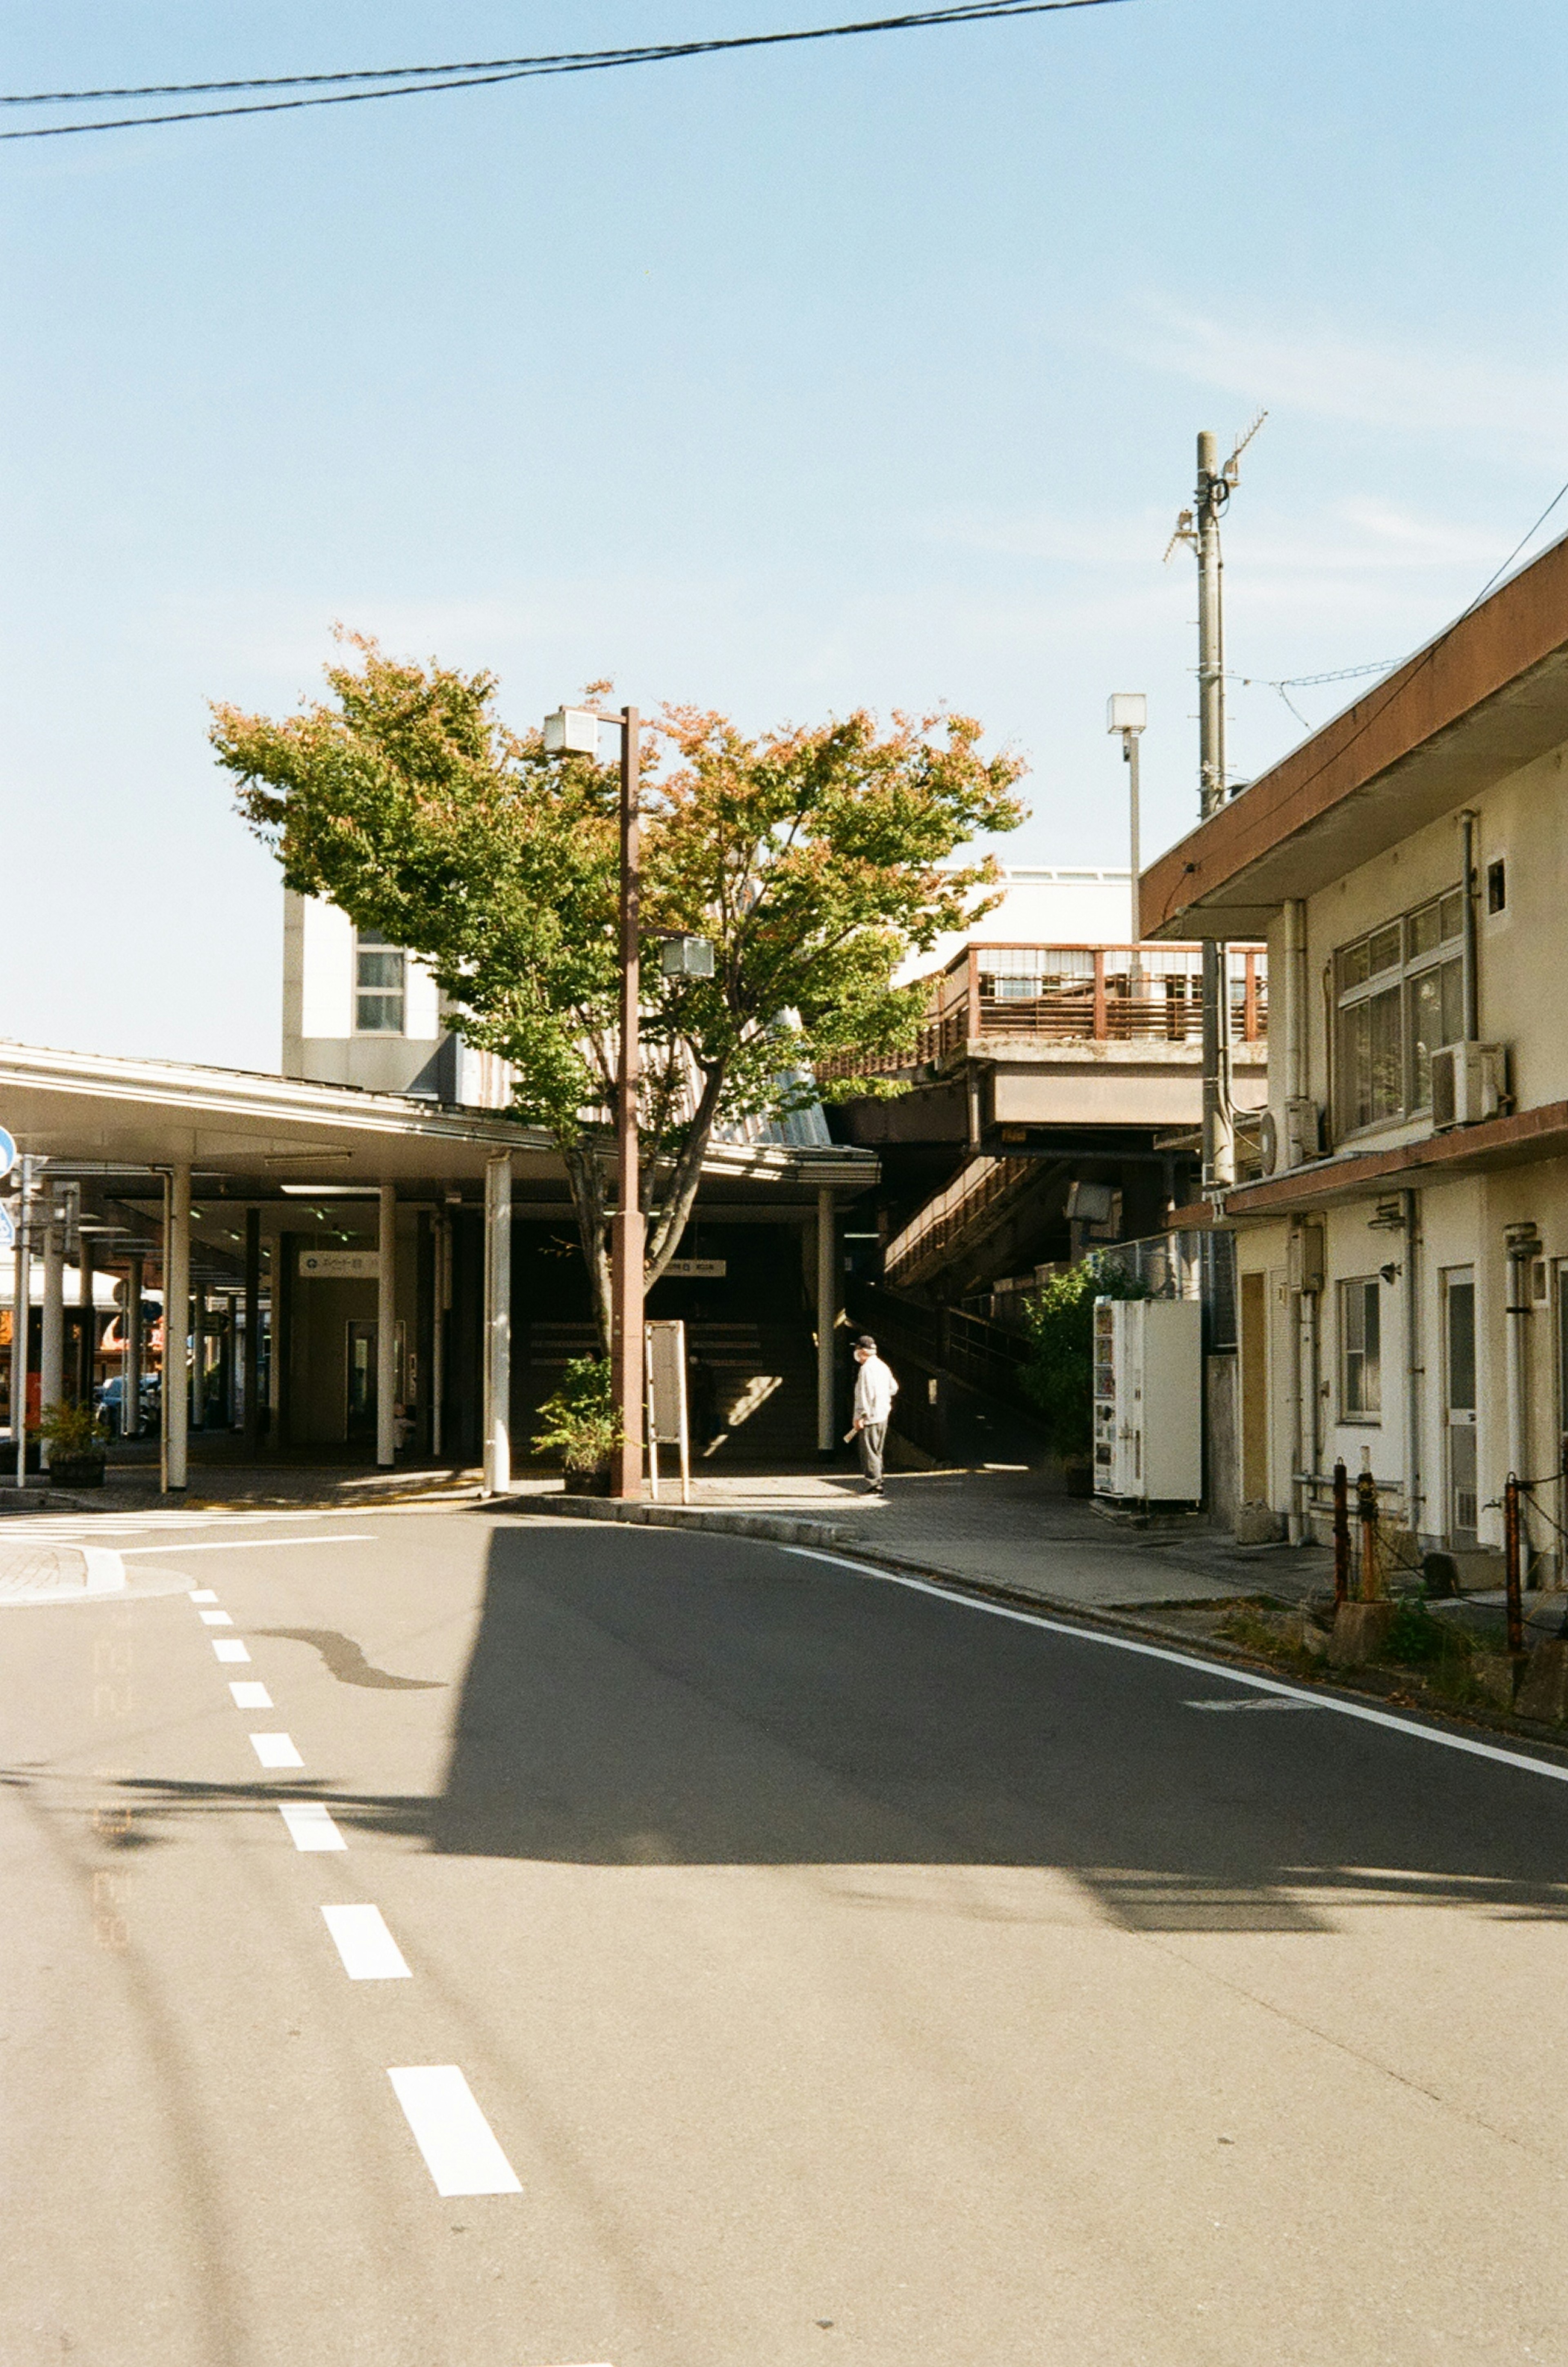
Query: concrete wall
320	1039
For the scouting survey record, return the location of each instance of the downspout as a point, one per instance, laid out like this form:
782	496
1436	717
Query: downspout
1522	1242
1413	1368
1293	1065
1468	969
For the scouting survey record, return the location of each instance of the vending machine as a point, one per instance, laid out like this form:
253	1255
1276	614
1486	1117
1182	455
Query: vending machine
1148	1400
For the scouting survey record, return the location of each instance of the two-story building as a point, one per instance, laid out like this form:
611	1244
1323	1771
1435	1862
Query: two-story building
1402	1264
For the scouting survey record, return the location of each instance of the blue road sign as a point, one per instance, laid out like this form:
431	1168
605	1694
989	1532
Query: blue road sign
7	1154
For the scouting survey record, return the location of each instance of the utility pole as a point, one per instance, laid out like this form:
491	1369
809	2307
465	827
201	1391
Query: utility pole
1199	527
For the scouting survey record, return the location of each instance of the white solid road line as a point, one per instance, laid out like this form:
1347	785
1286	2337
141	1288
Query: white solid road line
275	1750
215	1618
228	1647
250	1695
460	2152
1406	1725
310	1825
248	1545
368	1951
202	1595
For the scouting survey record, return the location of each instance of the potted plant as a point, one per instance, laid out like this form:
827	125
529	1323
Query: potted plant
582	1426
76	1449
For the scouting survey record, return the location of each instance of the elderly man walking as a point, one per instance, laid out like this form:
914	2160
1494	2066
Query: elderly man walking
876	1389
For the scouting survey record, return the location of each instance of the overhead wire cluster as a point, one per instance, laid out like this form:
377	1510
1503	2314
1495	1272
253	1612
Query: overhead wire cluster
355	85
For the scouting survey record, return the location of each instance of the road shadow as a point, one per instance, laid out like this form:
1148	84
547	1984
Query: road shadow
639	1697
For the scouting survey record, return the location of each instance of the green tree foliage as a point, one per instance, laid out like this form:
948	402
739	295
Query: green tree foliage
816	859
1059	1376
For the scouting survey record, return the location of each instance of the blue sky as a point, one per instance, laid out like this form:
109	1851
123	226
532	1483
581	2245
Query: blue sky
867	372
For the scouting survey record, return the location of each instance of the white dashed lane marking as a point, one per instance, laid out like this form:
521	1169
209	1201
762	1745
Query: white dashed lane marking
460	2148
310	1825
368	1951
215	1618
250	1696
228	1647
203	1594
275	1750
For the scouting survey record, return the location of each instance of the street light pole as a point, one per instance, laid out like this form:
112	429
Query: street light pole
626	1229
1127	711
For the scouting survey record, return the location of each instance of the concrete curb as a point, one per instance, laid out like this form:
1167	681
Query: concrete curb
779	1528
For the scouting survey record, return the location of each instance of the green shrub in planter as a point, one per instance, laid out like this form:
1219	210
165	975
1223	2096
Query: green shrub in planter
76	1445
581	1423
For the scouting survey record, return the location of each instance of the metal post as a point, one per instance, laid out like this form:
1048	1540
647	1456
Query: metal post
51	1338
252	1383
198	1359
1370	1587
1511	1569
626	1229
21	1314
1469	981
1414	1370
827	1322
497	1326
177	1316
1523	1245
1219	1138
386	1328
130	1324
87	1342
1130	754
443	1289
1341	1533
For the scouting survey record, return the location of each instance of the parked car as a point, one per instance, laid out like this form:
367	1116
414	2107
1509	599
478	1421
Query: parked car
110	1406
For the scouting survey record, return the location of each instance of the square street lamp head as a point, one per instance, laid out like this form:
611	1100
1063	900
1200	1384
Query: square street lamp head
1127	710
686	958
571	732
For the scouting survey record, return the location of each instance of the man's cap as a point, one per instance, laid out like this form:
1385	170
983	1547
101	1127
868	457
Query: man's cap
865	1340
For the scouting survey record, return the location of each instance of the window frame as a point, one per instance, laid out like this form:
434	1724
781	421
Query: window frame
1406	966
373	945
1363	1416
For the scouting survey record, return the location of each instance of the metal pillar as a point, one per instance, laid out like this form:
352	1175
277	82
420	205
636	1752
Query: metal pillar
198	1359
827	1322
1523	1245
442	1285
386	1329
498	1326
626	1230
176	1316
51	1342
130	1324
21	1312
1212	493
252	1383
87	1340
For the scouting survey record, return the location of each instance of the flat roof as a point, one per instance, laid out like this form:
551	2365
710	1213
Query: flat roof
1487	696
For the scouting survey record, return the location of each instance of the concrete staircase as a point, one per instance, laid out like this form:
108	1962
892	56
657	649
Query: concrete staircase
752	1388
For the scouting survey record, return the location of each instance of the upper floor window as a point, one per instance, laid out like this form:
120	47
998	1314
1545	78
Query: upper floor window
378	985
1399	996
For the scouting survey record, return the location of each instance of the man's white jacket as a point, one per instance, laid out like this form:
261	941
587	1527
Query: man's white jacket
876	1389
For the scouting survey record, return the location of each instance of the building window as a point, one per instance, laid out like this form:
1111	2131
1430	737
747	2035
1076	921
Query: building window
1496	886
1399	996
379	982
1360	1350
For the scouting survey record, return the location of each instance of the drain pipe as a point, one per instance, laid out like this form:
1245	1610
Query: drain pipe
1414	1367
1522	1242
1288	1135
1468	974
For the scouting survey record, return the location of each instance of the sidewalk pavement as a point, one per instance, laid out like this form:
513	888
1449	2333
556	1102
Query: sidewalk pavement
1000	1526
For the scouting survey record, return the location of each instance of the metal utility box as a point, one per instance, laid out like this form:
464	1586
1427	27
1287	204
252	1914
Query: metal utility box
1148	1400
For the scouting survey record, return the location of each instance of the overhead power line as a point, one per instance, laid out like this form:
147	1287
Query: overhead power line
411	82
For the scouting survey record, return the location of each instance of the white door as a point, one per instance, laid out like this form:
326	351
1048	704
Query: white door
1458	1391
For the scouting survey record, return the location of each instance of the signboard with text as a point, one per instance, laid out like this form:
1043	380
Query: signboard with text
339	1266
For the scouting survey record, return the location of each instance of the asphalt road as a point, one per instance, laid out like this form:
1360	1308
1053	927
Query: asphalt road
810	1968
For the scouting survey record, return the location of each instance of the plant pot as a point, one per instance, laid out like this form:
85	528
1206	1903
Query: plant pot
76	1471
589	1483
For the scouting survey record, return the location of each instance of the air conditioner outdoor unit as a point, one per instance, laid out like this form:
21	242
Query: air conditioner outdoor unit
1469	1081
1304	1132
